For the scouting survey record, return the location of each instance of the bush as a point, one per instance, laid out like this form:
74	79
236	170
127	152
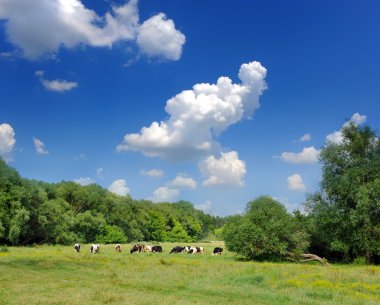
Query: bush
4	249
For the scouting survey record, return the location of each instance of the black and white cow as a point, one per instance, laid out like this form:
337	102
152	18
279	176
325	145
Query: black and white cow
118	248
137	248
217	251
94	248
177	249
77	248
156	249
193	250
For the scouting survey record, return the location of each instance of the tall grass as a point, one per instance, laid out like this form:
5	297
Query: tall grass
58	275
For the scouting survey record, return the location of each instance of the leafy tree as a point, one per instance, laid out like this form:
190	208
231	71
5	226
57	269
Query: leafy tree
111	234
346	211
265	231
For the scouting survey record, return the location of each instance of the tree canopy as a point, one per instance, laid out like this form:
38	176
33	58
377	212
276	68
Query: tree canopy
66	212
345	213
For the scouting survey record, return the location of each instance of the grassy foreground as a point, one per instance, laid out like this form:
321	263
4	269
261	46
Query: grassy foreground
57	275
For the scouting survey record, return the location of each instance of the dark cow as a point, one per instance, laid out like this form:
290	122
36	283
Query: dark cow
156	249
217	251
177	249
118	248
94	248
137	248
77	248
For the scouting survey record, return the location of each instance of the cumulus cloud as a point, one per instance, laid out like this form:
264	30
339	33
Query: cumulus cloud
40	147
309	155
119	187
336	137
57	84
84	181
228	170
164	194
154	173
7	141
183	182
78	25
205	207
198	116
295	183
158	37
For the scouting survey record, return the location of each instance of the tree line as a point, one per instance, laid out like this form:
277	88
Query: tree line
340	222
35	212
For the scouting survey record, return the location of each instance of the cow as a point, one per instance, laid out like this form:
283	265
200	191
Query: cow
148	248
137	248
118	248
217	251
94	248
156	249
191	249
177	249
77	248
200	250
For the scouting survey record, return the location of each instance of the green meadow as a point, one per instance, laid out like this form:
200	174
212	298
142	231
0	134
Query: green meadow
58	275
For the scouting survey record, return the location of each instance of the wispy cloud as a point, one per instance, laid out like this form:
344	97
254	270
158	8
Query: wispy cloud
56	85
40	147
154	173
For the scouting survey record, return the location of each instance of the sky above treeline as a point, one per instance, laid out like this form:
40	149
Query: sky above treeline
212	102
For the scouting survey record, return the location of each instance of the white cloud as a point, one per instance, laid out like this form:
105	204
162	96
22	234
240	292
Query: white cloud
158	37
228	170
69	24
205	207
336	137
305	138
40	147
164	194
295	183
57	84
99	173
119	187
183	182
358	118
197	116
309	155
84	181
154	173
7	141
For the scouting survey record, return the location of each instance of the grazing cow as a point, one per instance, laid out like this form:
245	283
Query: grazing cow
177	249
148	248
118	248
156	249
200	250
137	248
217	251
77	248
94	248
193	250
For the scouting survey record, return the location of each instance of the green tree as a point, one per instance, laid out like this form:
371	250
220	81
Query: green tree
265	231
346	211
111	234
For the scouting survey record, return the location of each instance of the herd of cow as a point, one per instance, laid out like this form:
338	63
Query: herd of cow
153	249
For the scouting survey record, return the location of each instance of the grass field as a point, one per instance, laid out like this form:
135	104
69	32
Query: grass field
57	275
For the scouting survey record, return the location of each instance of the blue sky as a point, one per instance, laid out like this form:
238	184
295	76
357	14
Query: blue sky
211	102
